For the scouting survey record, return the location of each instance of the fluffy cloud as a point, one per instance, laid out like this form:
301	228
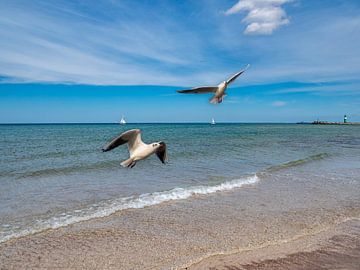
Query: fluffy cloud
264	16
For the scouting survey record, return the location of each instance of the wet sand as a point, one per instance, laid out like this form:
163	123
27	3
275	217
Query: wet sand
336	248
191	233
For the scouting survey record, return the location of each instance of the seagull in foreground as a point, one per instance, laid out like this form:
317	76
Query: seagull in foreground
219	91
137	148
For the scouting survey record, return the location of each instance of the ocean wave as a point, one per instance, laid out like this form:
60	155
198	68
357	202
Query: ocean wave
115	163
297	162
61	170
112	206
106	208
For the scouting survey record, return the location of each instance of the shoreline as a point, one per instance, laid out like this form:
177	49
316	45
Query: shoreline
171	235
143	201
276	254
257	219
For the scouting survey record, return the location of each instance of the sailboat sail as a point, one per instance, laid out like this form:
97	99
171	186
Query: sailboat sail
122	121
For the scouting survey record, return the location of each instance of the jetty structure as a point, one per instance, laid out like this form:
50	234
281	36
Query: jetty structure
345	122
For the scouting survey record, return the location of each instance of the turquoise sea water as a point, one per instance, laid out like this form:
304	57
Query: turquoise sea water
55	175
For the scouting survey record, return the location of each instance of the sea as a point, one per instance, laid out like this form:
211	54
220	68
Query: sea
55	175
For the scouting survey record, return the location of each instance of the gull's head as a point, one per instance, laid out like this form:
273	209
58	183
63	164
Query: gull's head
157	144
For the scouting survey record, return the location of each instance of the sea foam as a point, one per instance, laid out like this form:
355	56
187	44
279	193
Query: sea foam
109	207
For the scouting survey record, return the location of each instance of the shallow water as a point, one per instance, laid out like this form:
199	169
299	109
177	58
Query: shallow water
54	175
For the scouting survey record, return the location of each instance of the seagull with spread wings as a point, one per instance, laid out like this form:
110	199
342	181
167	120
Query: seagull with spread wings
218	91
137	148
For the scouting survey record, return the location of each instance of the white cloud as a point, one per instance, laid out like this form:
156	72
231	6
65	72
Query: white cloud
57	41
53	43
264	16
279	103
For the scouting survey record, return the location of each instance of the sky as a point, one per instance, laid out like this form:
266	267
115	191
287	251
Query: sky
94	61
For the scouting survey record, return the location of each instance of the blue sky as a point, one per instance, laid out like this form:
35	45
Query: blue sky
93	61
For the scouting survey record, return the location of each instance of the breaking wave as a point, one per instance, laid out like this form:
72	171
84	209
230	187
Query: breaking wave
110	207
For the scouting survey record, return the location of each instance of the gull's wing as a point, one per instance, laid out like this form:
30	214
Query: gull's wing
162	152
199	90
131	137
233	78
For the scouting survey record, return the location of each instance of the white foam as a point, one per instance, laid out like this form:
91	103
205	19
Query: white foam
110	207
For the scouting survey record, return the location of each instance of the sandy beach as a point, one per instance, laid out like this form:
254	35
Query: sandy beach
335	248
253	227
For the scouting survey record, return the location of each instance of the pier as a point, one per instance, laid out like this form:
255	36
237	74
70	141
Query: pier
334	123
318	122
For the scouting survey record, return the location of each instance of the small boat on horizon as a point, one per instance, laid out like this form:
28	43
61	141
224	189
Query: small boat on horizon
122	121
213	121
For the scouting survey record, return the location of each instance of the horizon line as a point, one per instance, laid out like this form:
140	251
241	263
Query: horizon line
134	123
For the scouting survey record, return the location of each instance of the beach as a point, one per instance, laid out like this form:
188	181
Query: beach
267	197
335	248
179	135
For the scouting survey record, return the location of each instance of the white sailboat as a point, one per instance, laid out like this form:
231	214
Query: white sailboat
213	121
122	121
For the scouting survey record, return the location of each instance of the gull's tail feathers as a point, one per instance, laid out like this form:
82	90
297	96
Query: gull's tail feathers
216	100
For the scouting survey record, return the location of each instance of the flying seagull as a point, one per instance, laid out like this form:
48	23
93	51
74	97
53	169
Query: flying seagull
137	148
219	91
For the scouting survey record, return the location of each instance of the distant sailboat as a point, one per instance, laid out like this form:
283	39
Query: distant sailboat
213	121
122	121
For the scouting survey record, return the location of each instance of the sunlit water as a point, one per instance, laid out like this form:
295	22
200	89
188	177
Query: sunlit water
55	175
